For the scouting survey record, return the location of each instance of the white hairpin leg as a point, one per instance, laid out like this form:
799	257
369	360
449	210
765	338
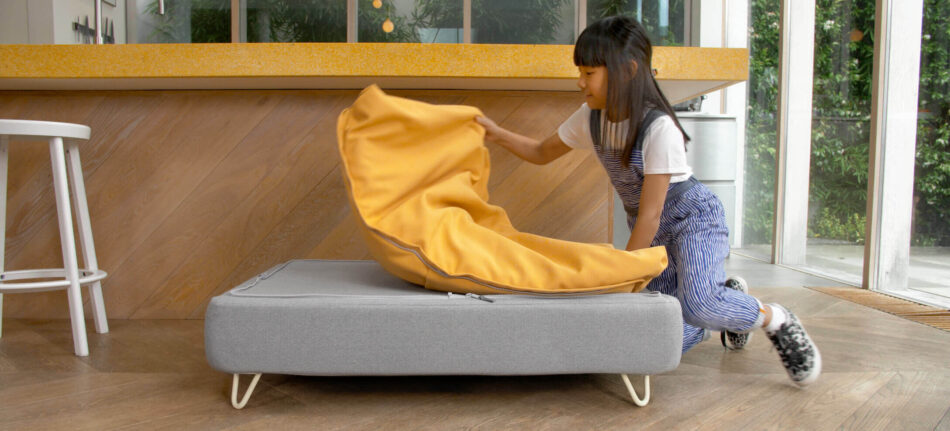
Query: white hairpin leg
247	395
633	392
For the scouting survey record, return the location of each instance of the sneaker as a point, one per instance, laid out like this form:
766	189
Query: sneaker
732	340
799	353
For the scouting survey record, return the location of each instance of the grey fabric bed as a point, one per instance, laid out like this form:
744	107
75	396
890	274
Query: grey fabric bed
320	317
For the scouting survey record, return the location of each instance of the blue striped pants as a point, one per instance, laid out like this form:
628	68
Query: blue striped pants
693	228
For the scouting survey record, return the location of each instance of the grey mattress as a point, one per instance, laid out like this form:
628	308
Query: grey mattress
321	317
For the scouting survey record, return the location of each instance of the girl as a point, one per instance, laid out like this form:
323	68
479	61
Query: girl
630	125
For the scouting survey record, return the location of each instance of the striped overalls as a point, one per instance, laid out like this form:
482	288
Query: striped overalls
693	229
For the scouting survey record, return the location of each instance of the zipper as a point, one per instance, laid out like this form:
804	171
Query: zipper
473	296
260	277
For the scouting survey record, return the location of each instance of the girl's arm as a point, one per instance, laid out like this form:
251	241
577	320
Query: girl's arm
652	198
532	150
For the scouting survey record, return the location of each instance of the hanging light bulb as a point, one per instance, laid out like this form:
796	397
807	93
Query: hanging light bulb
388	26
377	4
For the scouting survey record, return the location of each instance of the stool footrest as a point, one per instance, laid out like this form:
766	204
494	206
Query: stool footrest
86	276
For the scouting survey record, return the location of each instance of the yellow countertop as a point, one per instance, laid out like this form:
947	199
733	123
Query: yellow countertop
341	65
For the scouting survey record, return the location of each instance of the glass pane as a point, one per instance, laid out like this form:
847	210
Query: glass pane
184	21
534	22
759	166
665	20
930	235
841	109
425	21
296	21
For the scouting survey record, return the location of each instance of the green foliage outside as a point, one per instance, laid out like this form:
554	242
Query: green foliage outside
672	35
759	197
496	21
932	170
282	21
370	23
841	109
210	21
844	44
505	21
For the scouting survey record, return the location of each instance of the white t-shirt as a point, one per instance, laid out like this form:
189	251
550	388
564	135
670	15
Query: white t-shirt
663	149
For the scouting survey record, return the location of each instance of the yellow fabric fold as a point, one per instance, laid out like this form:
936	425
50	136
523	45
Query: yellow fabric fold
417	177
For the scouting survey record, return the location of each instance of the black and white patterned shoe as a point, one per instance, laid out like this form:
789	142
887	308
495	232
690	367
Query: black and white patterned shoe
733	340
799	354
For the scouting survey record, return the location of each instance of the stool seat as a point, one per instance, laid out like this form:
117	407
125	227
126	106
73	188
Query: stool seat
67	177
30	130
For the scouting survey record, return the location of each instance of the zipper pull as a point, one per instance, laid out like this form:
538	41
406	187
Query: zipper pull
479	297
473	296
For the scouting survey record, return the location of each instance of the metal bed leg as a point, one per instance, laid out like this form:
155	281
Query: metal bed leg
633	393
247	395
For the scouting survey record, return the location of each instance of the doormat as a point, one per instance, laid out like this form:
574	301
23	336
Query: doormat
932	316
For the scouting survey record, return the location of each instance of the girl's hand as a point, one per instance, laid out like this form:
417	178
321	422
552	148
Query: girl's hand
492	131
530	149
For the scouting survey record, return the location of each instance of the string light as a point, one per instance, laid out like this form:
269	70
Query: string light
388	25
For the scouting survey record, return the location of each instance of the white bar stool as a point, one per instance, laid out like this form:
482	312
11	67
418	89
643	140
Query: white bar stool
71	276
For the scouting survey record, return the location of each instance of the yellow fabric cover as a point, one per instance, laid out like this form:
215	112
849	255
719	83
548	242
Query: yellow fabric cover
417	177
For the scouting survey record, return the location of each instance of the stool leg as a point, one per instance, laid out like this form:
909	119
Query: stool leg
4	145
85	234
68	242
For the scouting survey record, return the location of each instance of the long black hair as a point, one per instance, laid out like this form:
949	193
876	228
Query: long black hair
615	42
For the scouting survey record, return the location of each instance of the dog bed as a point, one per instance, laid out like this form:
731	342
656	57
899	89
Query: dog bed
353	318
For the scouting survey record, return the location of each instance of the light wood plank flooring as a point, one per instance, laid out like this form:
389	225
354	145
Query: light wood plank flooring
881	372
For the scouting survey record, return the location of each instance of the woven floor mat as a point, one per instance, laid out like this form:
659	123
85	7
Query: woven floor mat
932	316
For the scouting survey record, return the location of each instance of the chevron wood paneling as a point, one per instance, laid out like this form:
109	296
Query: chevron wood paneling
193	192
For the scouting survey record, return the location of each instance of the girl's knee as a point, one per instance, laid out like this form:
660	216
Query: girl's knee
693	335
701	312
700	321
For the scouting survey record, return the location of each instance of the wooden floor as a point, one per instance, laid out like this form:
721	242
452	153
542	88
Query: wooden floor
880	372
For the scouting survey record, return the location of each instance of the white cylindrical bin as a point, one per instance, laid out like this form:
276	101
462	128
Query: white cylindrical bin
712	154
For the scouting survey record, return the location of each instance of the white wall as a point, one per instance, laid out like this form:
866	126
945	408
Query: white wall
26	21
51	21
14	27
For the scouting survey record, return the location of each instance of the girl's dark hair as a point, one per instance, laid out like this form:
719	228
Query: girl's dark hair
615	42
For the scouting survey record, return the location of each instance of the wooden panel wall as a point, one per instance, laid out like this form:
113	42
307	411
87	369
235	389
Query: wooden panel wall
193	192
